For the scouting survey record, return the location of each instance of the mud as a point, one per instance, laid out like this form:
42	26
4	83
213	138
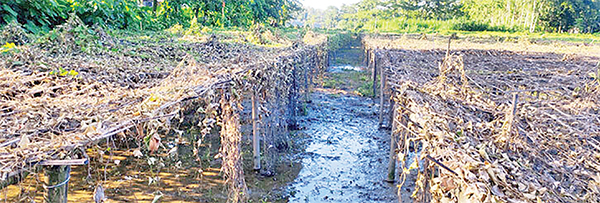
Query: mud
347	156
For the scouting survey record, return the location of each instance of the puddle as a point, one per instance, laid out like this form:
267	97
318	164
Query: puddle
346	160
339	69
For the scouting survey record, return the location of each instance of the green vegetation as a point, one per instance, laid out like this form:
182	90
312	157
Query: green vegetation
337	40
573	16
42	15
63	72
350	81
8	48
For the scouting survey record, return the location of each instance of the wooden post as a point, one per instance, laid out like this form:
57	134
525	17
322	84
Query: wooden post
391	111
58	183
255	140
307	71
515	102
391	177
381	97
368	58
374	75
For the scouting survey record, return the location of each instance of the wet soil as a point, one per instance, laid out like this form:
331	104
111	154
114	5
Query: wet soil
173	174
346	158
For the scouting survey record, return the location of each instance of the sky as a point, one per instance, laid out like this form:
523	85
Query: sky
323	4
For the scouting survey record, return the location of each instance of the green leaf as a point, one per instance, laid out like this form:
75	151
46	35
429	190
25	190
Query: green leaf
73	73
32	27
10	10
9	18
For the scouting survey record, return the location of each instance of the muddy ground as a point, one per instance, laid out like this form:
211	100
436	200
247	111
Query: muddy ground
347	156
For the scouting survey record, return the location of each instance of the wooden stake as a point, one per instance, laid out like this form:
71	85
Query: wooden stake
255	140
391	177
391	111
381	97
58	183
306	86
374	75
515	102
368	58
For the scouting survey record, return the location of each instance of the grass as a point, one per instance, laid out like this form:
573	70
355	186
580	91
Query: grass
447	27
544	37
355	82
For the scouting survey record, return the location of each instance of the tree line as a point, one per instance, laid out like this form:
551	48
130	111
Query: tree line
577	16
43	15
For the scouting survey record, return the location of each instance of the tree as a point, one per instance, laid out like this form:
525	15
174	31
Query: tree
429	9
565	15
332	16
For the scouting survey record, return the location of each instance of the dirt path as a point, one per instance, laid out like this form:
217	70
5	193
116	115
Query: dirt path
346	158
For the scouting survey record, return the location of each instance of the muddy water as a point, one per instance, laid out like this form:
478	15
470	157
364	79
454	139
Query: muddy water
346	158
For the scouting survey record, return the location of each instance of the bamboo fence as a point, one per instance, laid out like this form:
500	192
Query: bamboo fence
492	122
54	101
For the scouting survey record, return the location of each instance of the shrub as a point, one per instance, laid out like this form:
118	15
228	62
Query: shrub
471	25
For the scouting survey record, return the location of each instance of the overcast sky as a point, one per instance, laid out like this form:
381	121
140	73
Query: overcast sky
323	4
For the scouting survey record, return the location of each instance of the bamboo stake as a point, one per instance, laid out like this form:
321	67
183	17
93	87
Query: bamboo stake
381	97
58	180
391	111
255	140
368	59
391	177
374	75
515	102
307	70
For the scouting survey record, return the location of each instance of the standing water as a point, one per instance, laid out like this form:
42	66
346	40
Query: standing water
346	160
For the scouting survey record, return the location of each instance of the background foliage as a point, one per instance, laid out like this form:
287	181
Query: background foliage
42	15
574	16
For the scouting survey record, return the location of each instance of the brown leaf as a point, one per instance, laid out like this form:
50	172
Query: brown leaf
154	143
448	184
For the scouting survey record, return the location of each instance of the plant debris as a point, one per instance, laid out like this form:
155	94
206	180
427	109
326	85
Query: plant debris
460	110
52	101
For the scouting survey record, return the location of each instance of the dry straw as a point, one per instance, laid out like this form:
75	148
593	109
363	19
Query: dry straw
462	112
54	101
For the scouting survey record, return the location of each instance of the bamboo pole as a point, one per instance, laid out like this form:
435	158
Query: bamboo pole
374	75
368	58
391	112
293	97
381	97
391	177
255	139
58	183
306	71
